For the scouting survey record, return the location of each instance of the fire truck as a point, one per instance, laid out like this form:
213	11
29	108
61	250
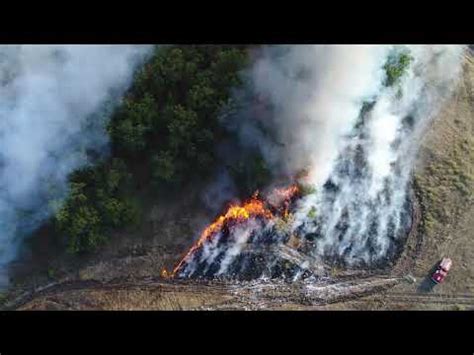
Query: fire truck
442	270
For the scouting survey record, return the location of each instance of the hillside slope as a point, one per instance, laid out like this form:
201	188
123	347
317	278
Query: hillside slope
444	185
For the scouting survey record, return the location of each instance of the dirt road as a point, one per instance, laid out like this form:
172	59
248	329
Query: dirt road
174	294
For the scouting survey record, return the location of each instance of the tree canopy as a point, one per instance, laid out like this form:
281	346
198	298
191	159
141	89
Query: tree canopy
163	134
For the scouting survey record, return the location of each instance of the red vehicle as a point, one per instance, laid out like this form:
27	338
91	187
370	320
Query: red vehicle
442	270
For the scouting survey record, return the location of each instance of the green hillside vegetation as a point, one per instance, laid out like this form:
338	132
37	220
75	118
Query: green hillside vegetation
163	135
396	67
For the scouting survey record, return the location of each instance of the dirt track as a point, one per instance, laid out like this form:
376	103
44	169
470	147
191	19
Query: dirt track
467	299
168	295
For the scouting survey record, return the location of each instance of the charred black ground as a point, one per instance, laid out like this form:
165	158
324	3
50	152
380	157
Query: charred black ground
353	246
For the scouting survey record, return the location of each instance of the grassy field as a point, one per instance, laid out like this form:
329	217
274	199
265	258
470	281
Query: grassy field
446	184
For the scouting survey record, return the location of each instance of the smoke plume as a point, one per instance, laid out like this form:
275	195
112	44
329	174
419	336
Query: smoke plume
54	103
363	207
332	112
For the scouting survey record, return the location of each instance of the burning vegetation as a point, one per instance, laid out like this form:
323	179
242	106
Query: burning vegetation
361	212
224	244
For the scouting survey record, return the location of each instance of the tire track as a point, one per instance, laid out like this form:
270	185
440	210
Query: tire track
247	295
448	299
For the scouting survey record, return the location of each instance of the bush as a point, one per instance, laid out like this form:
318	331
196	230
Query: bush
81	225
163	167
306	189
94	206
396	67
135	121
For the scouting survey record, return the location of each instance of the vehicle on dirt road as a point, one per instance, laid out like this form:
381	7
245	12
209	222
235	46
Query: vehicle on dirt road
443	268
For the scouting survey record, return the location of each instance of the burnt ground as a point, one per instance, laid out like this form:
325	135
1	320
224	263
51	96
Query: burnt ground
444	185
124	275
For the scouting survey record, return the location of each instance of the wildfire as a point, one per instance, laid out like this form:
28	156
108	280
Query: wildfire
281	198
254	207
287	193
165	274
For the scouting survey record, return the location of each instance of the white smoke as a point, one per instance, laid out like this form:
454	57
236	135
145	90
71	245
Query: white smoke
220	191
48	98
367	214
316	93
329	111
241	235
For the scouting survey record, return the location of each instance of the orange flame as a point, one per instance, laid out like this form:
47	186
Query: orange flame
252	208
287	193
281	198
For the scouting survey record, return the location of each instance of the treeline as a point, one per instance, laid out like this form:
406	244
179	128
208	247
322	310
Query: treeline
163	135
169	119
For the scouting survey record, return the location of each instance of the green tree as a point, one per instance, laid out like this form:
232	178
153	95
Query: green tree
163	167
182	129
396	67
79	221
135	123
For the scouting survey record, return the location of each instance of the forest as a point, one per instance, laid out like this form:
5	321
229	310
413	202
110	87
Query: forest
163	136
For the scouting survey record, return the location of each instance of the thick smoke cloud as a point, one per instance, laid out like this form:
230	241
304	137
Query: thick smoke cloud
362	171
328	110
54	102
315	94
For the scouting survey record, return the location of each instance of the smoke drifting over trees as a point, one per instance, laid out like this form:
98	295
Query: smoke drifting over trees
54	103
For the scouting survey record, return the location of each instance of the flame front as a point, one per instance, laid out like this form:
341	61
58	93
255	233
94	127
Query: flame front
288	192
254	207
